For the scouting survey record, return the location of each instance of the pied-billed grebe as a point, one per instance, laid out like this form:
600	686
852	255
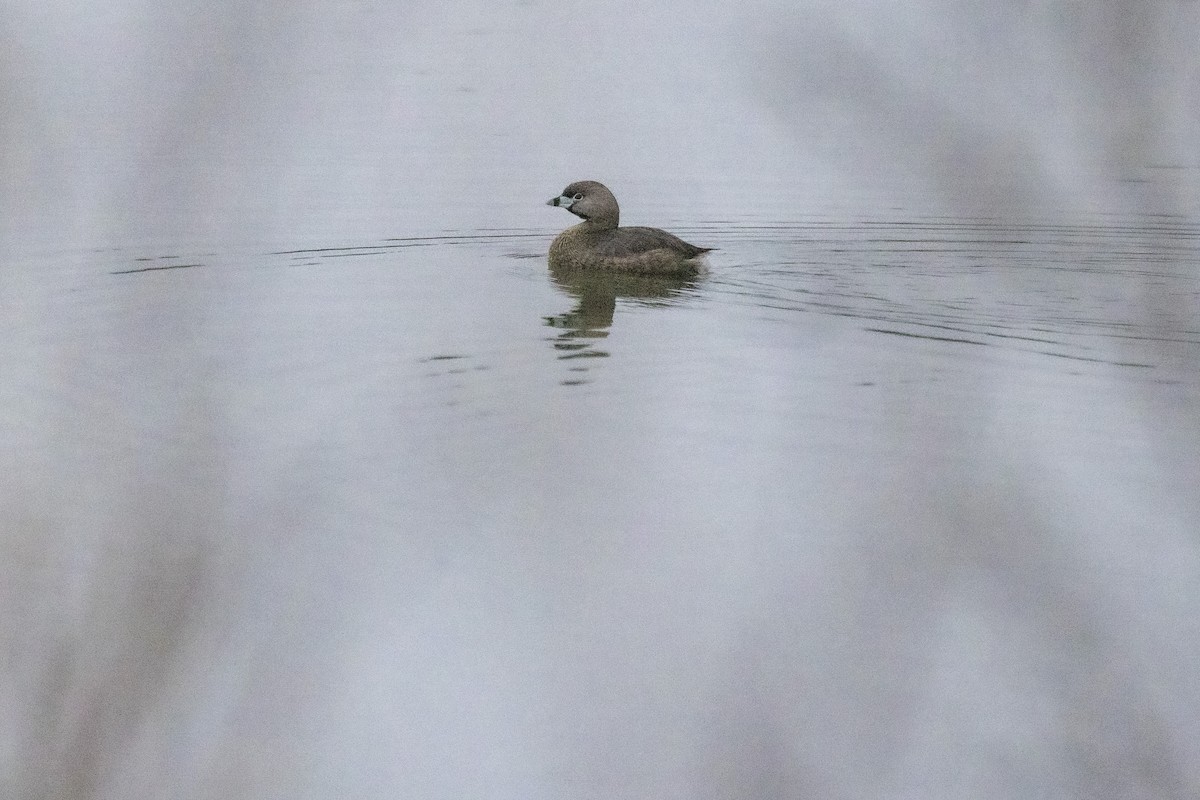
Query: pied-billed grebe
597	242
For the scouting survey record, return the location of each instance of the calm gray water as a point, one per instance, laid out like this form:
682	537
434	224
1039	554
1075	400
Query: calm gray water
318	483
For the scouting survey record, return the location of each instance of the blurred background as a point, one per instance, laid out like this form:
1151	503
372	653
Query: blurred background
315	482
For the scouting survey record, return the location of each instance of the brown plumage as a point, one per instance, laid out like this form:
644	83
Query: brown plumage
598	243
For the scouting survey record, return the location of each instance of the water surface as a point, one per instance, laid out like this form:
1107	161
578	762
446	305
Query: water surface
318	482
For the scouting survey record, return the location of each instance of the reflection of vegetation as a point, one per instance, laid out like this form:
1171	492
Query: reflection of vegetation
597	294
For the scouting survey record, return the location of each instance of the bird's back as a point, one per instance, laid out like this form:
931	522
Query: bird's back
633	240
647	251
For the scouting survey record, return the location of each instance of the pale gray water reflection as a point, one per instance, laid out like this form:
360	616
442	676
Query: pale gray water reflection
597	294
932	465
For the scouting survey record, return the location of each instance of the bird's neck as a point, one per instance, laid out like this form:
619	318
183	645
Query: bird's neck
605	222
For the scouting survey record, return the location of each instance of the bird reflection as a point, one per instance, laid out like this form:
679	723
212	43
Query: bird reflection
597	294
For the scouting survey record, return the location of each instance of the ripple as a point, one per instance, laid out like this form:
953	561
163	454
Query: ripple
1075	290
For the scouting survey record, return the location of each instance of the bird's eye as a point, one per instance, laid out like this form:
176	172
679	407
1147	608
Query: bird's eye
578	196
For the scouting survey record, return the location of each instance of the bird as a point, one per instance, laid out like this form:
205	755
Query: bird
598	243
